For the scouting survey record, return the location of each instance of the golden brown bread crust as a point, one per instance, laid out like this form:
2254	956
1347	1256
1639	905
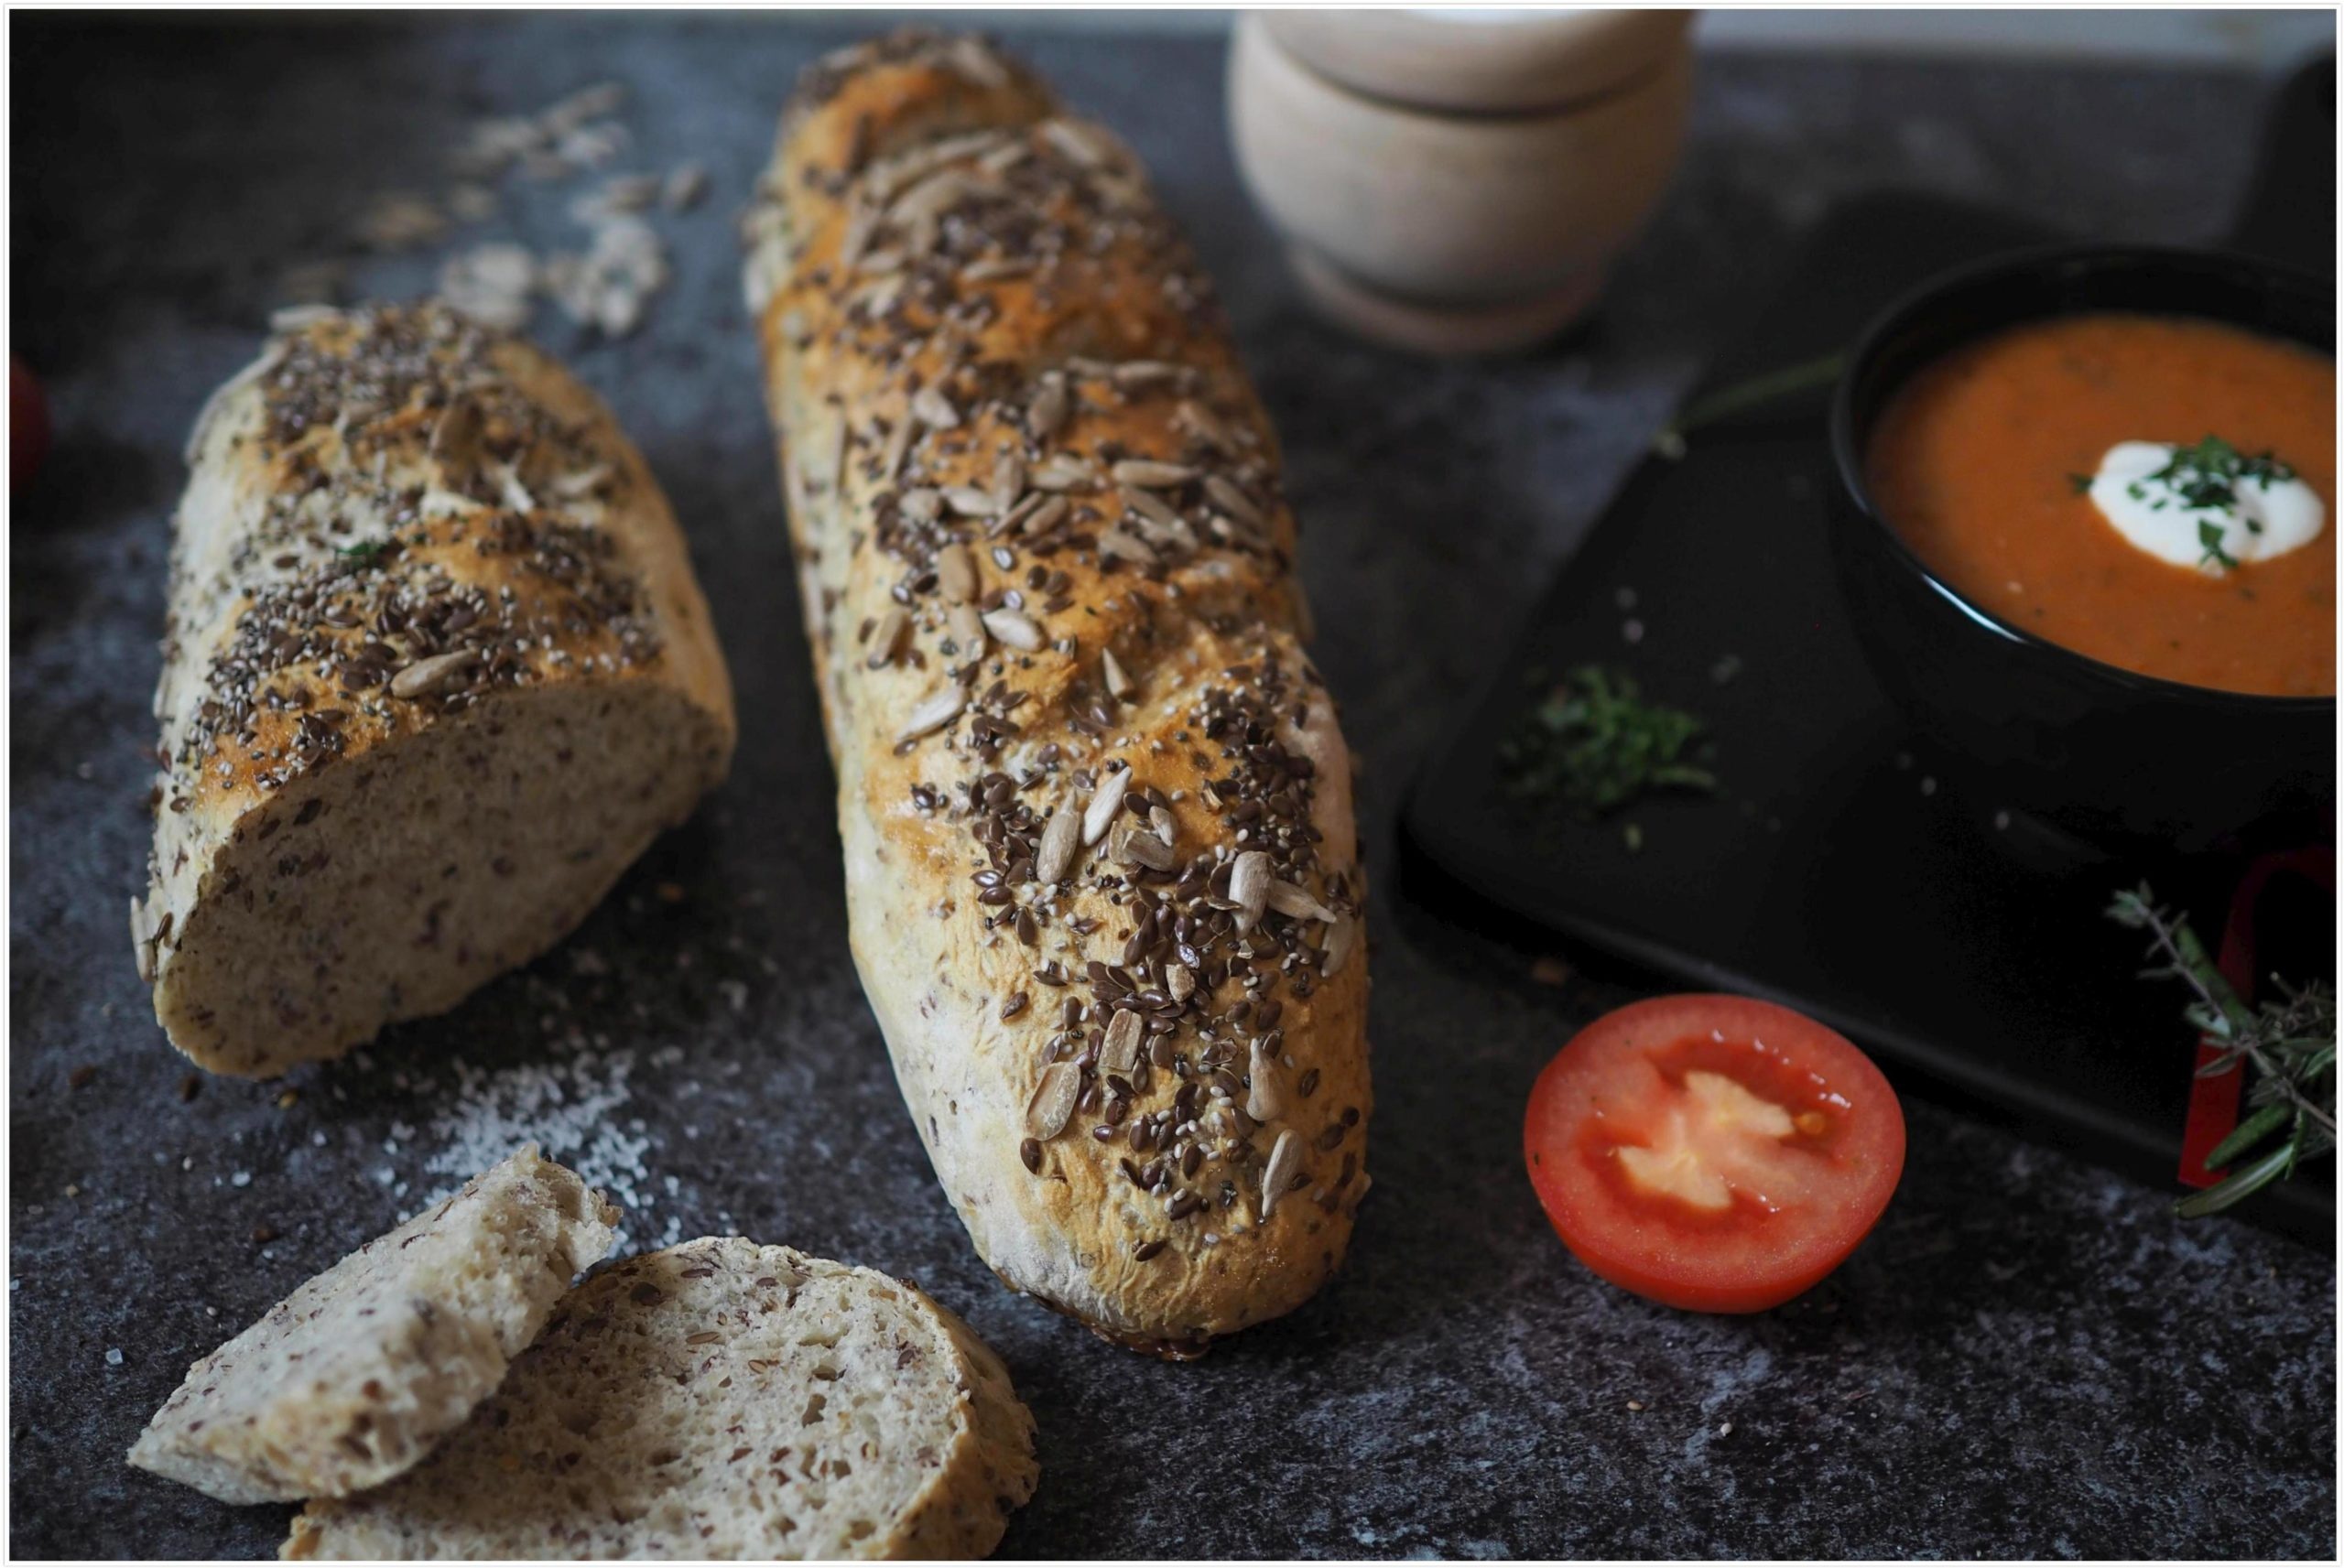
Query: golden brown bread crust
418	570
1045	558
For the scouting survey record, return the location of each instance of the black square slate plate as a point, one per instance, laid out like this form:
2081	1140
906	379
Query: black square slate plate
1842	869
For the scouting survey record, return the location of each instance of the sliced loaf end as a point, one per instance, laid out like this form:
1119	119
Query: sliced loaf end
718	1399
356	1376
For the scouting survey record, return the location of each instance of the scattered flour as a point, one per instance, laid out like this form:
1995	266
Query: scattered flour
570	1109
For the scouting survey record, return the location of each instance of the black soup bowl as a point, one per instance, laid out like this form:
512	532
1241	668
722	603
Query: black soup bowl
2121	759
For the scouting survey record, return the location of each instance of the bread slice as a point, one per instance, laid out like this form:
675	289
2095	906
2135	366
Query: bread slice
353	1377
718	1399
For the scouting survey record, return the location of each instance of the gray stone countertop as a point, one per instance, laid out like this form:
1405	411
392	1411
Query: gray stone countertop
2029	1356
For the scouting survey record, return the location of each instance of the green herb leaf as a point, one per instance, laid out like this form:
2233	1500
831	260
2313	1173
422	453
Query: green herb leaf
1592	744
2243	1184
2247	1134
2288	1043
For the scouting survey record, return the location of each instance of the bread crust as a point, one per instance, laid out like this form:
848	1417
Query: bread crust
1042	543
402	529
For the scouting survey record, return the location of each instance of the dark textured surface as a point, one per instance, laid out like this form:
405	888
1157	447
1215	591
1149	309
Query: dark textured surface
2029	1356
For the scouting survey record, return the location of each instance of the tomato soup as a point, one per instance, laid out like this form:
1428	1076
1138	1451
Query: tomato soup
2208	561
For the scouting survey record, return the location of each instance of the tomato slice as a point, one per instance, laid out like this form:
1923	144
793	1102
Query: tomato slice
1712	1152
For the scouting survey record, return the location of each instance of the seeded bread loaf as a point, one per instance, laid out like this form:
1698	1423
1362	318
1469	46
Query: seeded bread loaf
436	670
718	1399
1101	868
353	1377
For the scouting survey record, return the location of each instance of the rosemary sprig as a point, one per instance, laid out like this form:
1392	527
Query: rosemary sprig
1592	744
2290	1043
1757	392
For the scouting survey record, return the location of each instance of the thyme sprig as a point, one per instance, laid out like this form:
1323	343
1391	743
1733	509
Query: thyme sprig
2290	1043
1592	744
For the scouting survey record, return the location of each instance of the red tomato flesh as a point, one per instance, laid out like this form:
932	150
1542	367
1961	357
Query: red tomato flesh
1712	1152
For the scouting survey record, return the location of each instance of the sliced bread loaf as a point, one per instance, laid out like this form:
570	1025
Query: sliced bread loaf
718	1399
353	1377
436	671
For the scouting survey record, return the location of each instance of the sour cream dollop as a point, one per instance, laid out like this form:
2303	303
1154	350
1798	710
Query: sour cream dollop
2266	516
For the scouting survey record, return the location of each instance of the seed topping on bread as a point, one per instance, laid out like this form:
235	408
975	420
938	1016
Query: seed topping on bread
366	605
1164	930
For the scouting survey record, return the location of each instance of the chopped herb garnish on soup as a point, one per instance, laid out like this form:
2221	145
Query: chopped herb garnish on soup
2190	540
1592	744
2209	473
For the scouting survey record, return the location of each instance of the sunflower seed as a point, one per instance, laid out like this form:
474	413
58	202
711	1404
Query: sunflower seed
1133	376
1265	1100
1149	474
1223	492
935	710
1342	937
1053	1101
586	104
1121	541
887	638
927	199
1158	511
1105	801
968	501
515	494
1055	857
683	188
1075	143
1180	982
429	678
1137	848
1166	828
1285	1159
1206	425
921	505
1111	672
1046	516
969	56
142	939
1249	887
1290	899
1015	629
930	406
968	630
1008	481
1060	472
1120	1051
899	445
1047	411
956	573
491	284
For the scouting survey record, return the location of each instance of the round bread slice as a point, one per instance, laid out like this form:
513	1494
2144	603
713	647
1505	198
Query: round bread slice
353	1377
718	1399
